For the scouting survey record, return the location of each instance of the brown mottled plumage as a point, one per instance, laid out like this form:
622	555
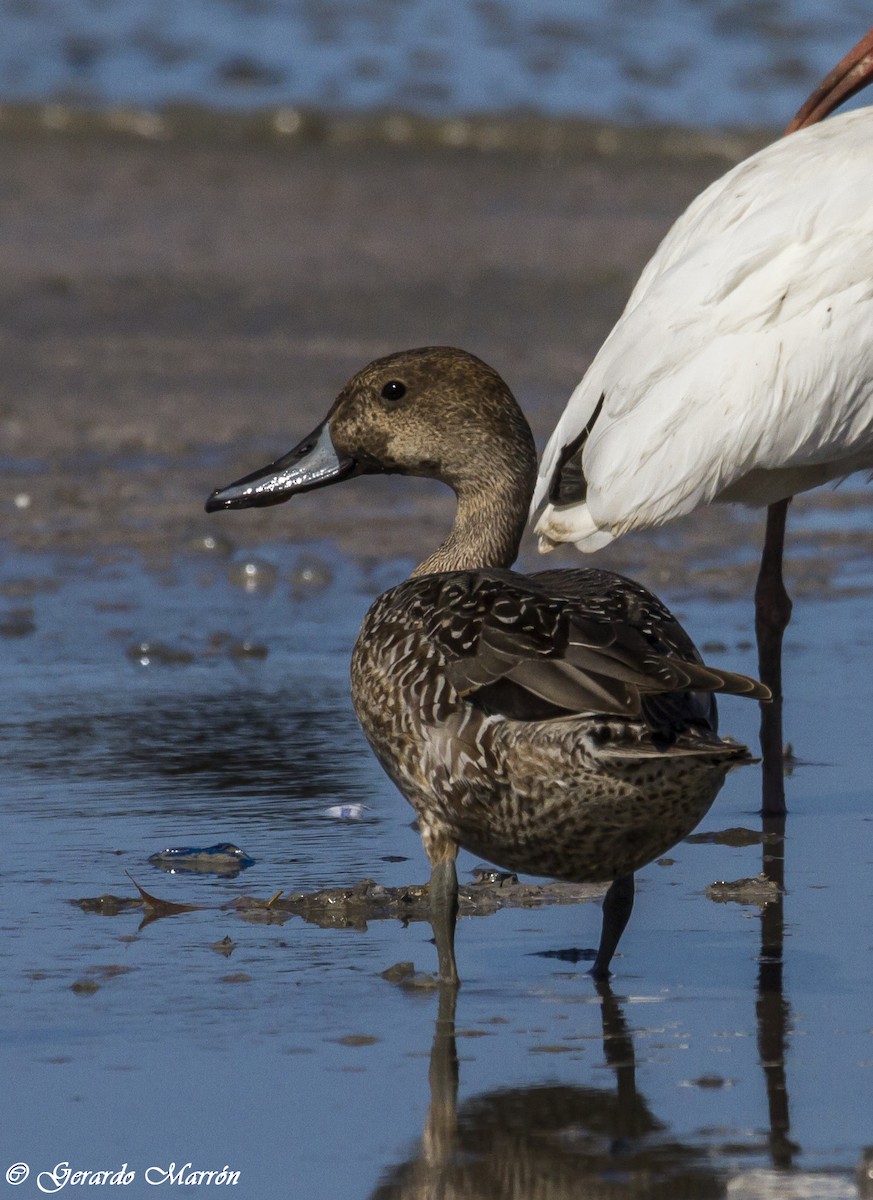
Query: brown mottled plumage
560	723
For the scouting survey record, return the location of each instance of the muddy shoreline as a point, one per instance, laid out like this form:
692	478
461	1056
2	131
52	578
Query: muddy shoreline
180	302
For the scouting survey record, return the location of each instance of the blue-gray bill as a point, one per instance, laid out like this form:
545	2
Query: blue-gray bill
313	463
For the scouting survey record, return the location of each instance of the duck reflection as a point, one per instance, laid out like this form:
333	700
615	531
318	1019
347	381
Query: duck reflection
547	1142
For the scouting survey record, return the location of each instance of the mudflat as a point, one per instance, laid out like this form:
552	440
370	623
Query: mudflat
180	304
175	304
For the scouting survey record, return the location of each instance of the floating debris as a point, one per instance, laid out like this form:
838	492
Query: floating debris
352	907
758	890
405	975
485	874
156	907
346	812
224	858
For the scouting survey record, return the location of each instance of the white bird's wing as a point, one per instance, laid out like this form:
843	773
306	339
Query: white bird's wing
746	347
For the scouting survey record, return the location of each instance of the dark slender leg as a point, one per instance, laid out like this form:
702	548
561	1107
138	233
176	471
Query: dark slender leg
772	614
618	905
443	914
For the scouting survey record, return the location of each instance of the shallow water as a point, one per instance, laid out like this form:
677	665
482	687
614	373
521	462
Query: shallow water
164	702
718	62
195	693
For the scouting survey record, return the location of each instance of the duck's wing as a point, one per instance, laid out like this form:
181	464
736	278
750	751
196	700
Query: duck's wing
744	348
570	642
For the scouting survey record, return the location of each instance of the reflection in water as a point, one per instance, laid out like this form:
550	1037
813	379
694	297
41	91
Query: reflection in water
548	1142
772	1009
564	1141
274	743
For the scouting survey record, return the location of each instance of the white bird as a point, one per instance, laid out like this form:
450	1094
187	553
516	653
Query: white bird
742	366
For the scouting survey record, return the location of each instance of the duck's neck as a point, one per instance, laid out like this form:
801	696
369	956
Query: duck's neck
489	522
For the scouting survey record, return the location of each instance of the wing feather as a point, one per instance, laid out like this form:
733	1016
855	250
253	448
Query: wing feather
742	367
571	642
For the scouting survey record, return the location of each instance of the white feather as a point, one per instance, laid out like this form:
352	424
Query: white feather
742	366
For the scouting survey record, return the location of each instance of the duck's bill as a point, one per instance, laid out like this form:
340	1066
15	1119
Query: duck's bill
313	463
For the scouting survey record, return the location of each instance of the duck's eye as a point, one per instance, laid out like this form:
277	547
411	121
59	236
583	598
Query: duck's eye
393	390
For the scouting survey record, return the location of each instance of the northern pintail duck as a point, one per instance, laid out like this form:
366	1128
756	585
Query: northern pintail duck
560	723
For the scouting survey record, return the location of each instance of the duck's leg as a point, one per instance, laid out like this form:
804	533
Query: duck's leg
444	909
772	614
618	905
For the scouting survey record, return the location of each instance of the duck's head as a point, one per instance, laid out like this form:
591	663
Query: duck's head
435	411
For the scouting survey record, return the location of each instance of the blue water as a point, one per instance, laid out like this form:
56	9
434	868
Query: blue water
293	1061
697	62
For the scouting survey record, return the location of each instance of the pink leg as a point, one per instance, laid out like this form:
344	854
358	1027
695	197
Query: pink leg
772	614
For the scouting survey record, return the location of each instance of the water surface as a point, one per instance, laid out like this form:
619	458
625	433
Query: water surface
707	62
292	1060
